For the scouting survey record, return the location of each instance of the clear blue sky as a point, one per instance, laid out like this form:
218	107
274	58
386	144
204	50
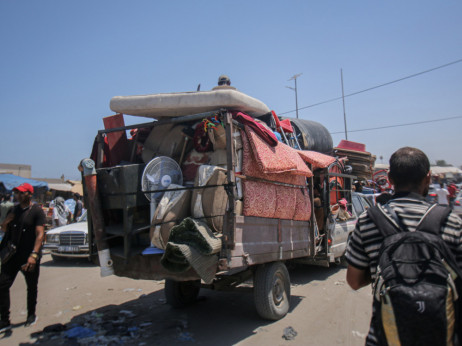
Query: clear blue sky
62	61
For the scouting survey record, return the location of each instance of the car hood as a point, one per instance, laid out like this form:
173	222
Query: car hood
78	226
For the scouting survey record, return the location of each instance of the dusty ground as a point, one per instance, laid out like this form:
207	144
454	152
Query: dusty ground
324	311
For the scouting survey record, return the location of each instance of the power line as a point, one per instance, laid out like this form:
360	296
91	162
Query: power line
400	125
377	86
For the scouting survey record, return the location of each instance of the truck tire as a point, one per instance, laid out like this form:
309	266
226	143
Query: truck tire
179	294
271	290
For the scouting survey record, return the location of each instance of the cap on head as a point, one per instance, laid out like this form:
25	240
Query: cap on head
224	80
26	187
343	202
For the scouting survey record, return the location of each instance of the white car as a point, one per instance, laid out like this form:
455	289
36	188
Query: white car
457	207
69	240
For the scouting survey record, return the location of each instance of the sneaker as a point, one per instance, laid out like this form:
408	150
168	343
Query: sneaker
30	321
5	326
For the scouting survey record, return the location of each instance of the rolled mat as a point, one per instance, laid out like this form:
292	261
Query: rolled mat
192	244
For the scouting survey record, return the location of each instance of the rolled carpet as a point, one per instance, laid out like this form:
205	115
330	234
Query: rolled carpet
192	244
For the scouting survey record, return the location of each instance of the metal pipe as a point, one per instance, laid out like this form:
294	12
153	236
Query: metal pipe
87	166
343	99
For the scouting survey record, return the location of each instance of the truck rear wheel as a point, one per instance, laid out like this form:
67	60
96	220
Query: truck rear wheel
272	290
181	293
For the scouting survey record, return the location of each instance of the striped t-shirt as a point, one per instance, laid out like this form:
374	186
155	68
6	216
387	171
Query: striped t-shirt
364	245
363	248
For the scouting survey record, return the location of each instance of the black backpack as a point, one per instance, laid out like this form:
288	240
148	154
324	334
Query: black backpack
418	284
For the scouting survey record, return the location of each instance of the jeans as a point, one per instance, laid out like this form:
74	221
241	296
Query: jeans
8	274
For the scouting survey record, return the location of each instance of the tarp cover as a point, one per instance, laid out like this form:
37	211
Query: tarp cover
10	181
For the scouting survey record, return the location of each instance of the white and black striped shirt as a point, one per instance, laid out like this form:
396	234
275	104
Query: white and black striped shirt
364	245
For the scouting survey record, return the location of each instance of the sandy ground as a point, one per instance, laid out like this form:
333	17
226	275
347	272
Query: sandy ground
324	311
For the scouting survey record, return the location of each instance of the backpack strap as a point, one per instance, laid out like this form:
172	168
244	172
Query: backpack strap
432	221
395	217
385	225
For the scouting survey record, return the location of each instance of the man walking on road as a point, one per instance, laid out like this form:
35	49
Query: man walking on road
410	174
24	226
443	195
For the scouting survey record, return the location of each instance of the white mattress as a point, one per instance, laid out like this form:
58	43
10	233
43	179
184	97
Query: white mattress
186	103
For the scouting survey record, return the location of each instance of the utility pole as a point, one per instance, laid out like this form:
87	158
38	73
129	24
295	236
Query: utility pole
294	78
343	99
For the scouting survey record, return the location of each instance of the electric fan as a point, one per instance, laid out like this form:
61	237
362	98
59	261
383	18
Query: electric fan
158	174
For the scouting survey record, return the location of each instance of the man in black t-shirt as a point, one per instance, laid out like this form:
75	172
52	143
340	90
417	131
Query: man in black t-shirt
25	227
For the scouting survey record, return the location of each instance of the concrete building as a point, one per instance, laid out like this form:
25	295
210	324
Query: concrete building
19	170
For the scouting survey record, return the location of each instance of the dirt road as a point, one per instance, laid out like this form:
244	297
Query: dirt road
75	299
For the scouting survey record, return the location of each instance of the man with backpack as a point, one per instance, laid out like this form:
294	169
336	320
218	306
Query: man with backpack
411	252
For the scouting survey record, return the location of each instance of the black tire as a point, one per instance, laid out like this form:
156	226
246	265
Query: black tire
271	290
181	293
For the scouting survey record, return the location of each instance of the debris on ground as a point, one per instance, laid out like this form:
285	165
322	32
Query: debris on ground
185	336
289	333
358	334
54	328
127	313
109	328
79	332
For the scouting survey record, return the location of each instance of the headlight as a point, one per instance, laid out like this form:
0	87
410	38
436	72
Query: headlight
52	238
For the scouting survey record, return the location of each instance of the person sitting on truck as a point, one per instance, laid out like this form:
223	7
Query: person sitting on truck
343	213
224	83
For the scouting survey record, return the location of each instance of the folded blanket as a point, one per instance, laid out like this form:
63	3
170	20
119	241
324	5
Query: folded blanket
192	244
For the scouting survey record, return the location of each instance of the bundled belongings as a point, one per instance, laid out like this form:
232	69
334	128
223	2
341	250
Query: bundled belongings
173	206
192	244
357	157
166	140
210	202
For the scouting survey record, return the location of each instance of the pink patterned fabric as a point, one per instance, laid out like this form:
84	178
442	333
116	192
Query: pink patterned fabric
302	206
278	159
259	199
316	159
270	200
264	132
269	159
250	167
285	202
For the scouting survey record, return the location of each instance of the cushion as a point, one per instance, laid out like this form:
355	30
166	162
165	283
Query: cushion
285	202
259	199
172	208
318	160
154	141
210	203
302	205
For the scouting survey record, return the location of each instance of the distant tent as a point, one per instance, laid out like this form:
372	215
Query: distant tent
10	181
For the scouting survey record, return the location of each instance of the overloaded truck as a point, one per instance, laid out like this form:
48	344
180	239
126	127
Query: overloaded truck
215	191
